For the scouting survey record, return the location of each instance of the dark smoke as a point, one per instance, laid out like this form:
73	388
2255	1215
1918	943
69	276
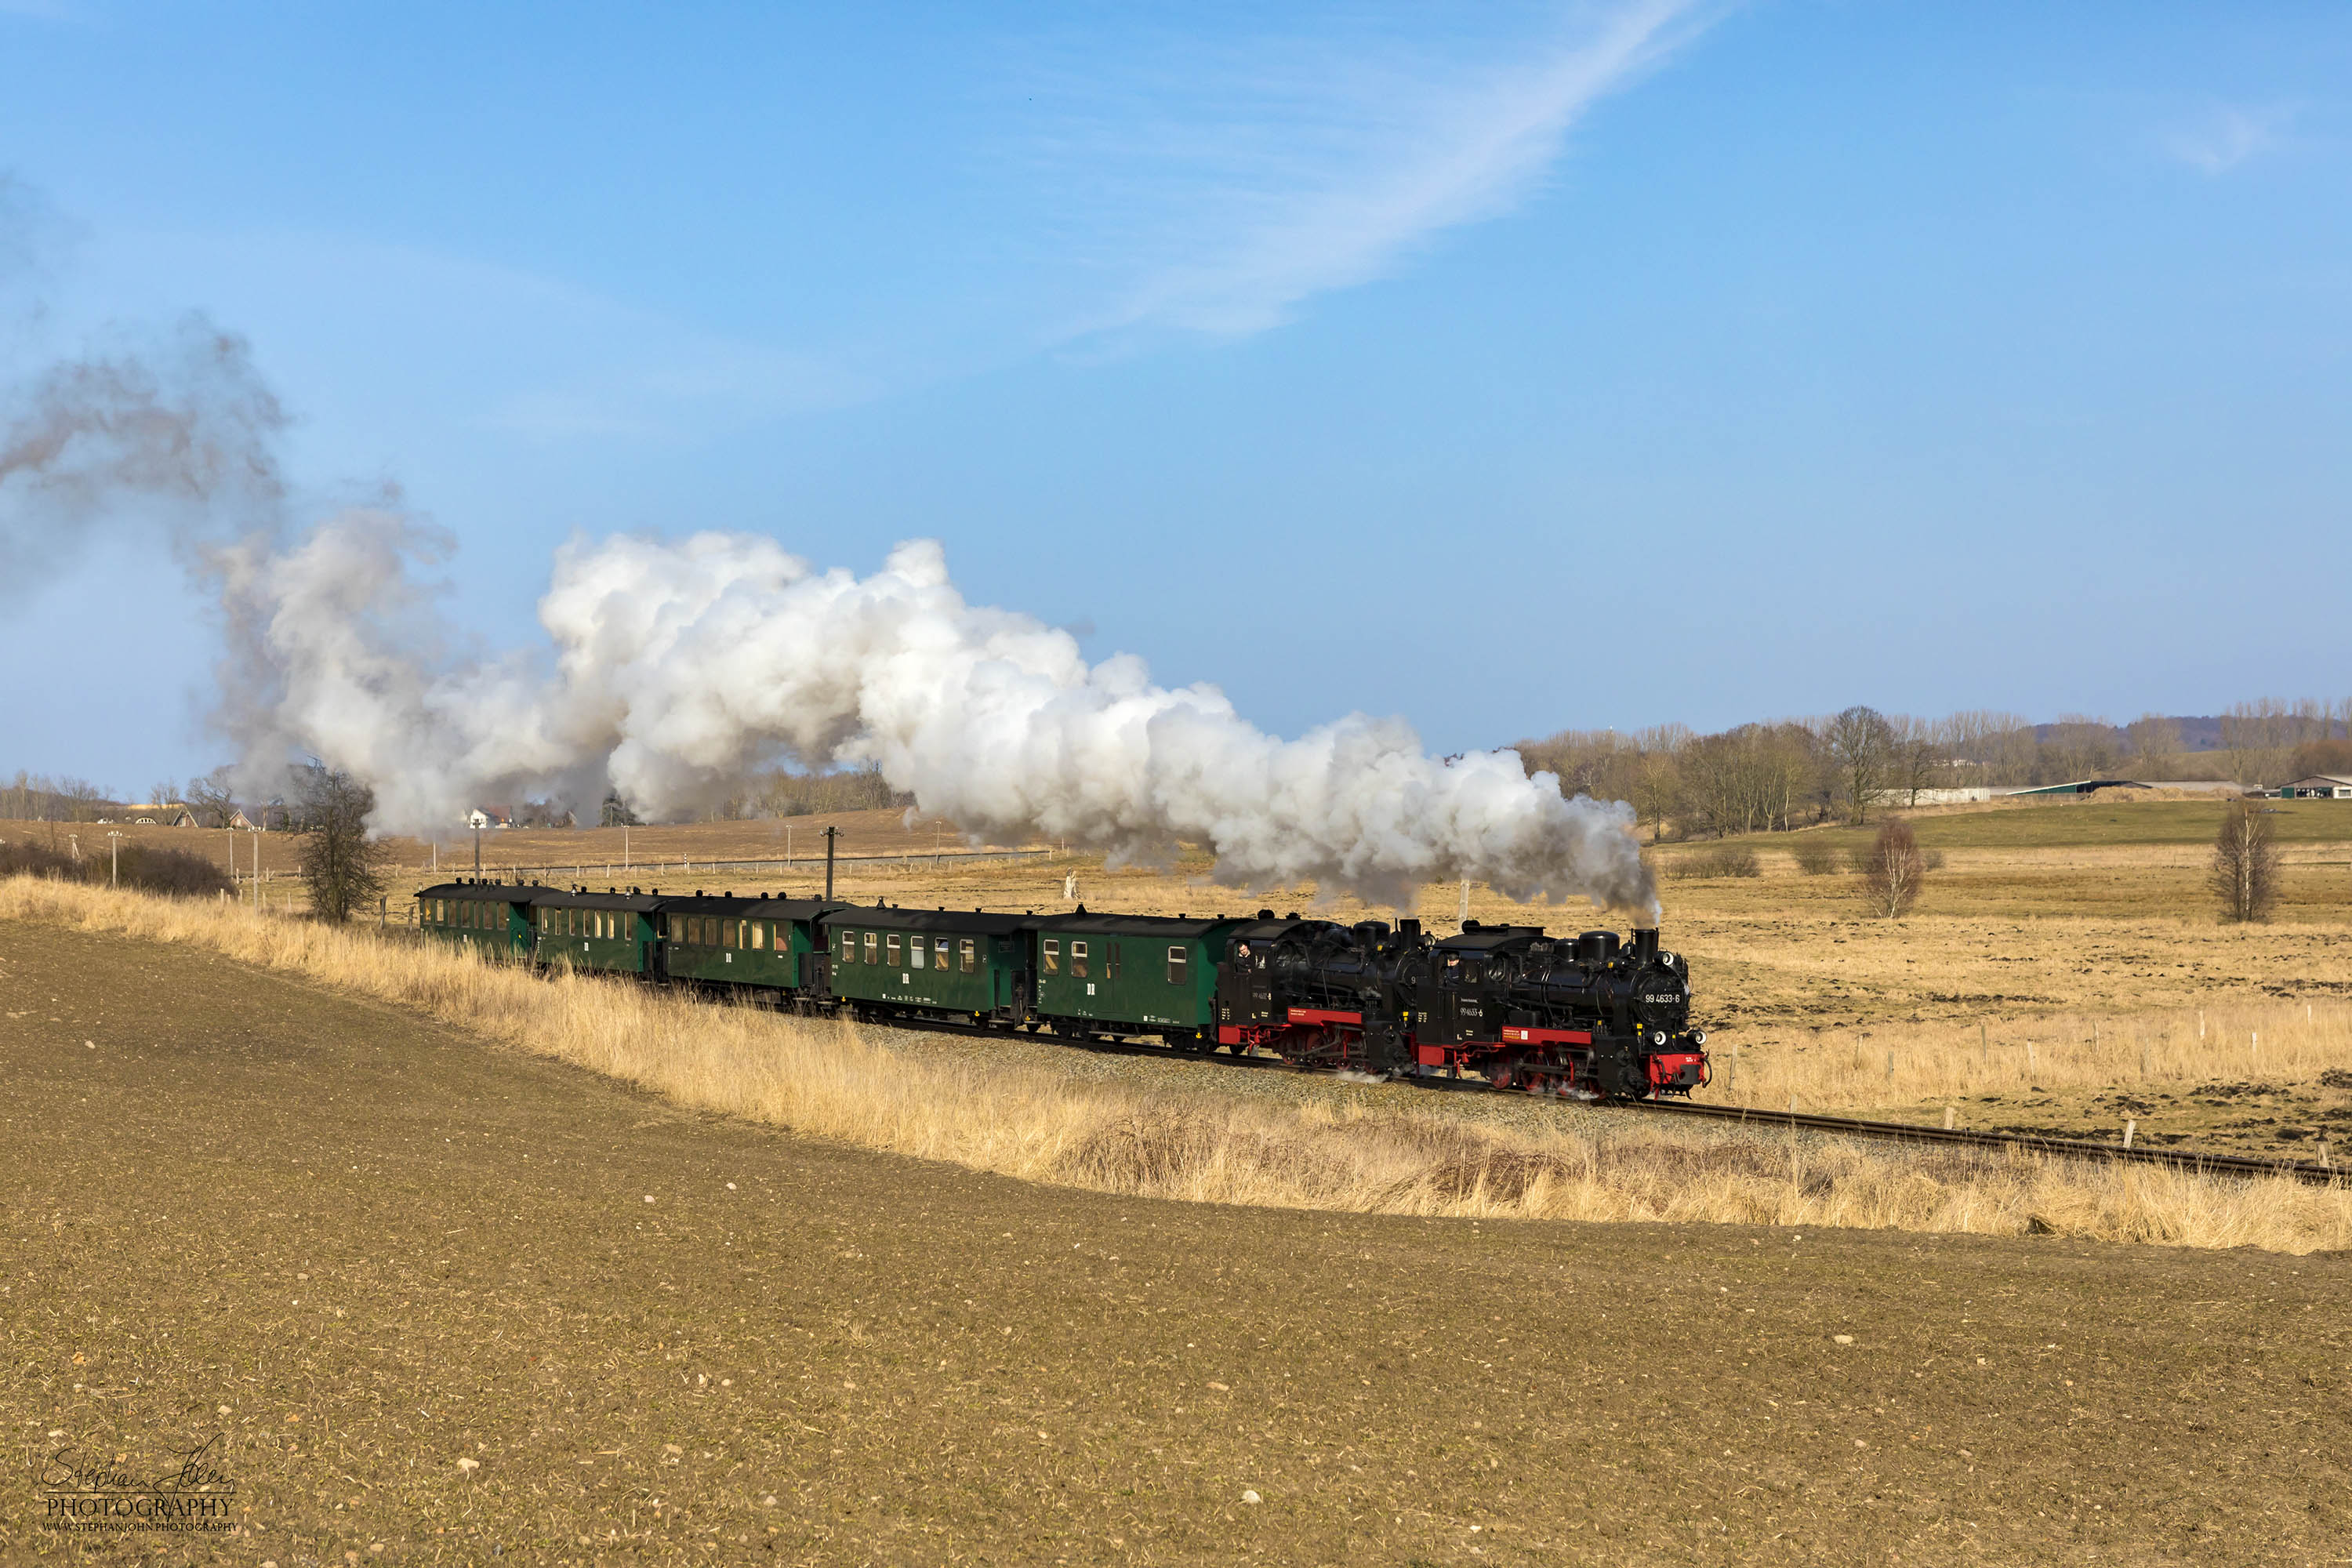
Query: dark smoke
179	433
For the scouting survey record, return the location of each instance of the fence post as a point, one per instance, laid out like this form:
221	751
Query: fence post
2130	1127
1890	1067
382	913
1947	1119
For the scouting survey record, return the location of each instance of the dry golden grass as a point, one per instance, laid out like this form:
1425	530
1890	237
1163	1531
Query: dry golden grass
2277	1043
841	1082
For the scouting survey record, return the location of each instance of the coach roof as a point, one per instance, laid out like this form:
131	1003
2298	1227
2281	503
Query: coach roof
794	908
589	898
884	916
485	890
1128	925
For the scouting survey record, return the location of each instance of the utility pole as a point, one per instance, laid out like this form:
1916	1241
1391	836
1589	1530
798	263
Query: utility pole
114	856
477	849
624	847
830	834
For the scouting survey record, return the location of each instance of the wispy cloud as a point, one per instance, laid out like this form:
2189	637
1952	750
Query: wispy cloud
1231	185
2226	137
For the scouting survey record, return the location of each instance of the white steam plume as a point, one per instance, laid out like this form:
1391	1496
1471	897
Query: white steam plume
680	668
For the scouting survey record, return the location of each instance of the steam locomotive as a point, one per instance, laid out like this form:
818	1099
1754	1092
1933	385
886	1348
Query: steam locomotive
1587	1015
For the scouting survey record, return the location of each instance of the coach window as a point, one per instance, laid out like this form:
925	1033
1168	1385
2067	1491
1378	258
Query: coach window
940	953
890	950
727	931
1175	966
760	935
873	947
1050	955
915	953
967	955
848	947
1078	959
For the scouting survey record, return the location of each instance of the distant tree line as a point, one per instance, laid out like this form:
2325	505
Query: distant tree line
782	792
1778	774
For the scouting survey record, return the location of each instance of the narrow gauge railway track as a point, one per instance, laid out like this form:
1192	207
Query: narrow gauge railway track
1800	1121
2069	1148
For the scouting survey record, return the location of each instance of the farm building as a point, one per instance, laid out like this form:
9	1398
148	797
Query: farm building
161	814
2079	787
2318	787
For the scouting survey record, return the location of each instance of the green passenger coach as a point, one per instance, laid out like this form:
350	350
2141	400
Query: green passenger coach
721	940
611	932
489	918
929	963
1128	973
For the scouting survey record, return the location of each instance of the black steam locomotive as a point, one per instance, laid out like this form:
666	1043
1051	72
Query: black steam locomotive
1587	1015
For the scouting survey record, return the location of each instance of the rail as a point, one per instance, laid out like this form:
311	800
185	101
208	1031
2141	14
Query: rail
2069	1148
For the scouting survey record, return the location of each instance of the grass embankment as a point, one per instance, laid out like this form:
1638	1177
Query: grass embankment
839	1082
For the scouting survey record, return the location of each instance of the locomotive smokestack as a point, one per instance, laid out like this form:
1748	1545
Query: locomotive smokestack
1645	944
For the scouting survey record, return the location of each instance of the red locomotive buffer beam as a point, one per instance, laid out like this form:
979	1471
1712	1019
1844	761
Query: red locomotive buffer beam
1681	1071
1313	1035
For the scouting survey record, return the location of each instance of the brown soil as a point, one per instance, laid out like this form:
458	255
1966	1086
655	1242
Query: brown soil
384	1247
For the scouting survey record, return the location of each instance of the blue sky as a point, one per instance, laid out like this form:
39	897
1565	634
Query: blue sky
1509	369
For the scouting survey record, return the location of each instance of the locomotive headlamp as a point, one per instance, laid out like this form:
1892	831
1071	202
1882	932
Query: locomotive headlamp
1699	1036
1657	1037
1667	959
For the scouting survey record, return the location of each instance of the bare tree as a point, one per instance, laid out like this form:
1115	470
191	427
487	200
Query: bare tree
211	798
82	801
2245	864
2079	746
2260	736
1862	746
2156	746
341	866
1656	790
1920	751
1895	871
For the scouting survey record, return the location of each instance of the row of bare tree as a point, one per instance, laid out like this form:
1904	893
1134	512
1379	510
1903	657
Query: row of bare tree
1790	773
